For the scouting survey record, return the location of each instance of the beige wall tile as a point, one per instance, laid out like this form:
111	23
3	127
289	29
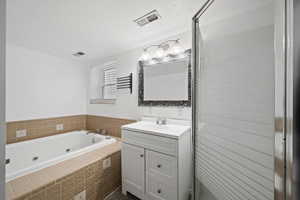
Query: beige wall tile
44	127
25	197
53	192
68	178
111	125
68	188
21	186
47	127
80	181
40	195
97	182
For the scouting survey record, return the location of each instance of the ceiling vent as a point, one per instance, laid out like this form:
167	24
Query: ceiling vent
78	54
148	18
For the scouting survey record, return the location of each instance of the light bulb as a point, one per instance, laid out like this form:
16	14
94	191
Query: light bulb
145	56
166	59
181	55
152	62
176	49
160	53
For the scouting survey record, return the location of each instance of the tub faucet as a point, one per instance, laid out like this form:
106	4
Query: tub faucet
89	132
98	131
161	121
104	132
93	131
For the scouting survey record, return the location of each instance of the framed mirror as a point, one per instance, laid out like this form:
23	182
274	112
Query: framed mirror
166	83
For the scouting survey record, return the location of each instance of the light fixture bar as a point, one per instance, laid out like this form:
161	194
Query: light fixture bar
164	51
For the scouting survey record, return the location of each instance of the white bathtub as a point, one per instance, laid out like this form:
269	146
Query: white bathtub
29	156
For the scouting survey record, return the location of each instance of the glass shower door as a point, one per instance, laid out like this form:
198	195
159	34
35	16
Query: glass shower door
234	101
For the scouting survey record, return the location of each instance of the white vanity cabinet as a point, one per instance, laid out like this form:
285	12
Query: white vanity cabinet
156	161
133	171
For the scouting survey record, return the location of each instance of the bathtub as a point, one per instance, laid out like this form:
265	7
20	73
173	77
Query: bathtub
29	156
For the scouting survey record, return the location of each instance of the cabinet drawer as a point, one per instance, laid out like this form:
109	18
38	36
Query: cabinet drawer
162	164
157	143
160	187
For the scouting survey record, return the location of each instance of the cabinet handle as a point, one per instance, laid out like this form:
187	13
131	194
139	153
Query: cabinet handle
142	155
159	166
159	191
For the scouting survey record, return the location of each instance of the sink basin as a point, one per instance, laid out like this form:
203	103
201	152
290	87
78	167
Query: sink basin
167	130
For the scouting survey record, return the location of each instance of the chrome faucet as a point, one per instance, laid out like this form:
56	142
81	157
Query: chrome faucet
161	121
97	131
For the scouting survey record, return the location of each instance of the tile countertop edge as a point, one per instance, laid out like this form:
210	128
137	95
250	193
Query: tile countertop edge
23	185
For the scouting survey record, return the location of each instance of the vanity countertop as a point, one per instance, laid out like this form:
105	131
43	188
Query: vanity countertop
149	127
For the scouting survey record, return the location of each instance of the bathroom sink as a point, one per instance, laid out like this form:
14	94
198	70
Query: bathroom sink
173	130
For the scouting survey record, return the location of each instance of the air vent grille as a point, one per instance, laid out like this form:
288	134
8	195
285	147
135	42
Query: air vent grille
148	18
78	54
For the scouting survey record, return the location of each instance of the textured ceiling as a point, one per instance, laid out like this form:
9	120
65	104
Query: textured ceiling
100	28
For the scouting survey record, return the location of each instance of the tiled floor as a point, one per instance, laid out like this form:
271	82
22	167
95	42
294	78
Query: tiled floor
117	195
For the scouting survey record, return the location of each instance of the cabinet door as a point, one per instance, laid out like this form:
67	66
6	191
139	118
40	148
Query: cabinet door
133	170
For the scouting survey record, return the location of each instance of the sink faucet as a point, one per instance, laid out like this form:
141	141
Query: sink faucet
161	121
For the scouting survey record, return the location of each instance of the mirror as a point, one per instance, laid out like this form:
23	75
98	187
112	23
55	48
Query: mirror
157	83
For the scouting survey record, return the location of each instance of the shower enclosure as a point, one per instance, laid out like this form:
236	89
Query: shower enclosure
242	106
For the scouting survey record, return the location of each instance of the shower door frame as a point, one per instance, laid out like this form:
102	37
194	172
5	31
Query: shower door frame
2	96
292	99
283	130
195	64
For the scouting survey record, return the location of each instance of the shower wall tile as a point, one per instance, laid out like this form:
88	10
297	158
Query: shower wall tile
44	127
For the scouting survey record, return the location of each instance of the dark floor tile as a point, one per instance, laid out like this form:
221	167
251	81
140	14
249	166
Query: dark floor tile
117	195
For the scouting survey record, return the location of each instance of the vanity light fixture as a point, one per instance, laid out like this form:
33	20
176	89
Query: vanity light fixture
166	59
152	62
163	52
160	53
145	56
176	49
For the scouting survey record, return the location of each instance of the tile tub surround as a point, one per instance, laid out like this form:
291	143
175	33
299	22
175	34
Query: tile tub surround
66	179
111	125
44	127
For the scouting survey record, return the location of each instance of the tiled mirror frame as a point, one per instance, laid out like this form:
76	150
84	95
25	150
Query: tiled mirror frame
142	102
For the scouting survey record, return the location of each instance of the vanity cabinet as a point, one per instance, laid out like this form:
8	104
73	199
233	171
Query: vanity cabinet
133	171
155	165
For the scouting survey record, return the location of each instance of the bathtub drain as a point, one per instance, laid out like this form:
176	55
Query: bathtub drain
68	150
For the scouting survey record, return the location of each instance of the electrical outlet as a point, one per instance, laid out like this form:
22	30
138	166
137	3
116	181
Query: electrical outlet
21	133
106	163
59	127
80	196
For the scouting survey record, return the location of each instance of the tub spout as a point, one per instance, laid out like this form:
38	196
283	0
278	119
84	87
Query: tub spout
97	131
90	132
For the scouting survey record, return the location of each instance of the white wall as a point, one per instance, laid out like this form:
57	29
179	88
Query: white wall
43	86
126	105
2	98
